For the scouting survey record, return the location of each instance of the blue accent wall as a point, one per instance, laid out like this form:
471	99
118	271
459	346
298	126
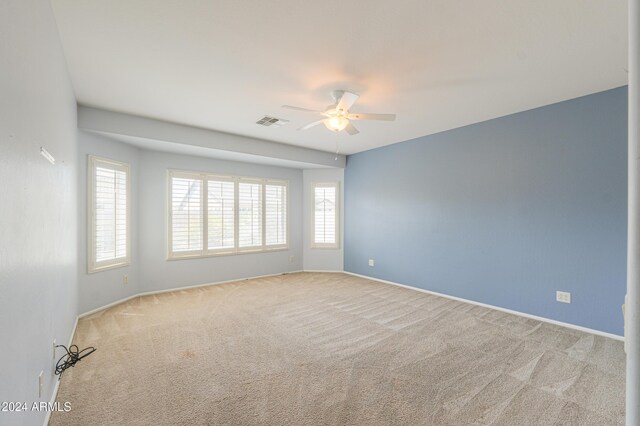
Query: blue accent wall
503	212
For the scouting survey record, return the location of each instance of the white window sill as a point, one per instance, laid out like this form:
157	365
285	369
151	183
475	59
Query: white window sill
93	270
234	252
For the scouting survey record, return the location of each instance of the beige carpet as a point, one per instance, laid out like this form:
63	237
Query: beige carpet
333	349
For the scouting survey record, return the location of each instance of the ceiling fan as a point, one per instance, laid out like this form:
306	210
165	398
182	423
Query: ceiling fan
337	116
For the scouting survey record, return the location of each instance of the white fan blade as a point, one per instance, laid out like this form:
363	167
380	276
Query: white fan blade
369	116
301	109
346	101
310	125
351	129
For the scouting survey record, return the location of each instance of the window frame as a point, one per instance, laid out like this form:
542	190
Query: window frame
325	184
285	184
205	206
236	250
257	248
169	215
93	265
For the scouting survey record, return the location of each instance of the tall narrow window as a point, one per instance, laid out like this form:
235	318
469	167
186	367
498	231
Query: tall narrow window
108	214
325	223
276	214
250	214
221	214
187	219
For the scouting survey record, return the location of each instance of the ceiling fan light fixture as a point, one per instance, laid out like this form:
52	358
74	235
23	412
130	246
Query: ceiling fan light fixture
336	117
336	123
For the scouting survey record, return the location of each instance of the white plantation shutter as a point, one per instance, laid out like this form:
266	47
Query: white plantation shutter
217	215
275	214
187	218
109	234
325	214
249	214
221	214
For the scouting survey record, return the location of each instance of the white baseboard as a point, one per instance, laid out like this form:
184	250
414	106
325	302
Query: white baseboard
323	270
460	299
101	308
54	395
497	308
148	293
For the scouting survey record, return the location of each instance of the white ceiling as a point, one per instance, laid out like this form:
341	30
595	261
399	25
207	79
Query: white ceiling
437	64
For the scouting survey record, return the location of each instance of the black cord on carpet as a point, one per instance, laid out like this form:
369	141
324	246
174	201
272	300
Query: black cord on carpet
73	355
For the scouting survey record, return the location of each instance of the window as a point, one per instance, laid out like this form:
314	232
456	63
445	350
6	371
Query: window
108	187
221	214
325	219
187	220
250	214
213	215
276	214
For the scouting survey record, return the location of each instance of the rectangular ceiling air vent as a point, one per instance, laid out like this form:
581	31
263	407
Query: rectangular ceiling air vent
269	121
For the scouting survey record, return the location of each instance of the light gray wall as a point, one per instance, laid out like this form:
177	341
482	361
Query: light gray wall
38	221
149	269
321	259
104	287
157	273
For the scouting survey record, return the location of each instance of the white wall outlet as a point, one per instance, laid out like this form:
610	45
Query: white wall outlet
291	259
125	279
53	356
372	262
40	384
563	296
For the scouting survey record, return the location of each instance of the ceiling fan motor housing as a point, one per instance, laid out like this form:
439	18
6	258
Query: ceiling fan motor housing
337	95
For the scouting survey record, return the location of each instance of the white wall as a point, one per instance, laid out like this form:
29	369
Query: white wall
38	221
157	273
149	269
147	131
103	287
321	259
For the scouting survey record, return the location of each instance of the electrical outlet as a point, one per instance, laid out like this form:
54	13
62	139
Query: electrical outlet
40	383
372	262
563	296
125	279
54	350
291	259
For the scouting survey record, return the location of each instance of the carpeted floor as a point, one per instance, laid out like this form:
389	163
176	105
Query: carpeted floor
333	349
